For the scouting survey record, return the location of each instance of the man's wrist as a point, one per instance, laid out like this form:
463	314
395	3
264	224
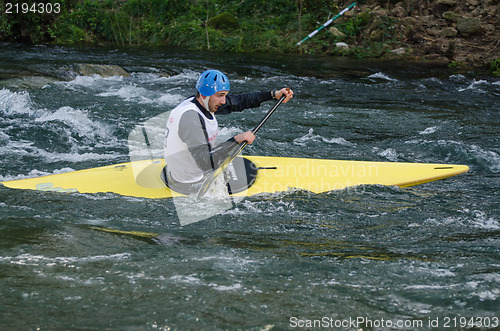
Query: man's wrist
273	94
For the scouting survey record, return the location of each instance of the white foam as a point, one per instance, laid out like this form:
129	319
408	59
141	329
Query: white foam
36	173
380	75
190	279
78	121
36	260
475	219
458	77
186	74
170	99
492	295
141	95
23	148
389	153
233	287
429	130
89	81
310	136
129	93
474	86
4	136
226	133
479	219
489	158
12	103
194	280
339	141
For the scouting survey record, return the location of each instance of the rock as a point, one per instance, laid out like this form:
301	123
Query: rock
380	12
398	11
27	82
399	51
410	21
450	3
104	70
341	45
365	17
451	16
337	33
490	28
434	31
377	35
450	51
440	6
448	32
491	11
429	19
469	26
349	14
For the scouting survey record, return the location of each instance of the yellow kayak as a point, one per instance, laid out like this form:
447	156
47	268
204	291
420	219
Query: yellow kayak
269	175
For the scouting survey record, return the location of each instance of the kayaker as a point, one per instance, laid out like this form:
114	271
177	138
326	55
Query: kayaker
192	129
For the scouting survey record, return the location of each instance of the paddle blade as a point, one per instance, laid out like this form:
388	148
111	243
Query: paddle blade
218	173
190	209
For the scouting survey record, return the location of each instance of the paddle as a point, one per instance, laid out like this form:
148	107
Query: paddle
216	173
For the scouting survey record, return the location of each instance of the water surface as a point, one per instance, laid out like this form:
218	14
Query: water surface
425	254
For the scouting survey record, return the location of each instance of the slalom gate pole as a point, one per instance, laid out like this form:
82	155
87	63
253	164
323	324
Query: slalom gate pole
327	23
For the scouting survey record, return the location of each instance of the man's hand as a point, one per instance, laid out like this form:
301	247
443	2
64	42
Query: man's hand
286	91
248	136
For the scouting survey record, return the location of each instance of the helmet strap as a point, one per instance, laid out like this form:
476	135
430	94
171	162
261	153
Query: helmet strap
205	101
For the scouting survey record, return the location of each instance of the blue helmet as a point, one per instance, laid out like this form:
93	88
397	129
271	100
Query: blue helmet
211	82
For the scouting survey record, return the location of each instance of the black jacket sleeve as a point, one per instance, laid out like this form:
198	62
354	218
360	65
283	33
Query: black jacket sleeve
239	102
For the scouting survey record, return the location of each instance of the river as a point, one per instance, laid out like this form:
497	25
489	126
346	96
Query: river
375	258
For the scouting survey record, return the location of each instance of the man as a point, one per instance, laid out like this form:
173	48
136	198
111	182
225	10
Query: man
192	129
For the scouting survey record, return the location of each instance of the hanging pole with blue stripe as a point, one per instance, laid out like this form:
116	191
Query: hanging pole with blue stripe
327	23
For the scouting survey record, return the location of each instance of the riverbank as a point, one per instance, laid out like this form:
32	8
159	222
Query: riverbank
457	33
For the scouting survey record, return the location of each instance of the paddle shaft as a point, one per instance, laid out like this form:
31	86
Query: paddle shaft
213	176
261	123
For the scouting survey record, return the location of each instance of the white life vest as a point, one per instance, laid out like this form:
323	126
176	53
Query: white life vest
180	163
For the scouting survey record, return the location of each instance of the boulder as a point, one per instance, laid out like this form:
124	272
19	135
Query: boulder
341	45
428	19
104	70
399	10
337	33
469	26
448	32
399	51
380	12
410	21
451	16
450	3
377	35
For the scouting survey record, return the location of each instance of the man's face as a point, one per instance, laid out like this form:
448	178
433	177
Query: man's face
217	100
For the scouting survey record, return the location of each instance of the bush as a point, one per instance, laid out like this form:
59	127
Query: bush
223	21
495	67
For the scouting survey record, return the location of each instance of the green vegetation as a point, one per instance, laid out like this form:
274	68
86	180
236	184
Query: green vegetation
495	67
236	26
